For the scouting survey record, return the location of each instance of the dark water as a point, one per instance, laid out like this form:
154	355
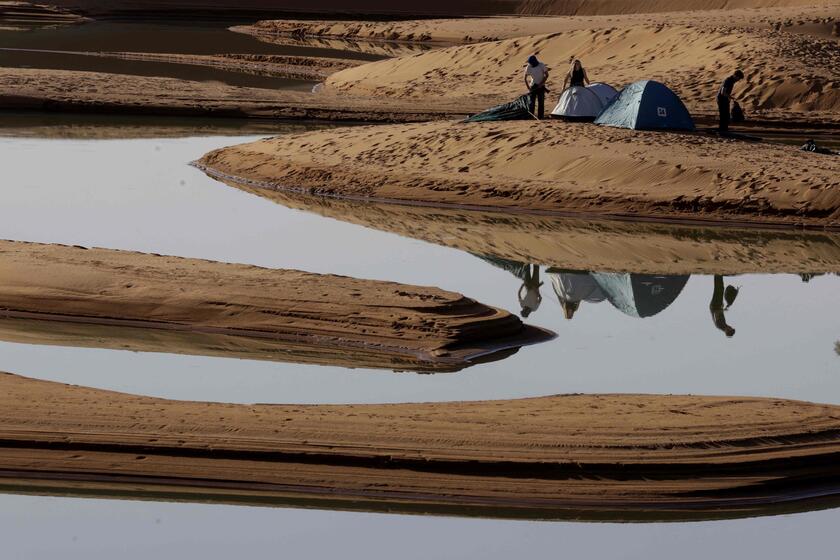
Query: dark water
629	333
54	49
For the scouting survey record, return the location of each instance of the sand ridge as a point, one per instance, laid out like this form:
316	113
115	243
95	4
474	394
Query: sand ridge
790	76
542	457
548	167
323	317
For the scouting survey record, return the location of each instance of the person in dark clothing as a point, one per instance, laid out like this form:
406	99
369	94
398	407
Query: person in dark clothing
717	308
724	99
536	75
576	77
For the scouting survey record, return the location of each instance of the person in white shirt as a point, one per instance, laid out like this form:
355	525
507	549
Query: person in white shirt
536	75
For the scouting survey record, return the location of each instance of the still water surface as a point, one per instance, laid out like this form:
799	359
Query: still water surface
147	199
141	195
64	48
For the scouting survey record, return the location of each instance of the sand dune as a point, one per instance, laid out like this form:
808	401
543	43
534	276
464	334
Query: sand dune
575	7
622	456
575	244
787	72
551	167
325	319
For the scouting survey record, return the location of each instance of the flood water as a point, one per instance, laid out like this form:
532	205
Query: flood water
650	333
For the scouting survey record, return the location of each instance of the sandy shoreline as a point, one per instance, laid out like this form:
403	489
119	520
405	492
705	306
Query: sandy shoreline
620	454
281	314
551	167
92	92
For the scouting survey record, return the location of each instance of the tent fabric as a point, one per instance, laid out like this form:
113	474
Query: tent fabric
605	92
518	109
576	286
578	103
647	105
640	295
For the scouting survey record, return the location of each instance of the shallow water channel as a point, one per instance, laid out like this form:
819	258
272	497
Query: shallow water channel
71	47
140	194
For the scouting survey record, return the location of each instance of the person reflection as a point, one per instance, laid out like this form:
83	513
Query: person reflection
721	296
529	293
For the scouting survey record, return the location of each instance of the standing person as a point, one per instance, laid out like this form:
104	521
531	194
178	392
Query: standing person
536	75
724	99
577	76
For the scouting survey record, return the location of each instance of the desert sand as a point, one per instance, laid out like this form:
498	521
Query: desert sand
325	319
555	167
791	76
623	456
789	49
95	92
577	244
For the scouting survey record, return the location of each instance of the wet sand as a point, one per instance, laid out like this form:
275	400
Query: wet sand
279	314
576	244
556	167
93	92
627	456
19	16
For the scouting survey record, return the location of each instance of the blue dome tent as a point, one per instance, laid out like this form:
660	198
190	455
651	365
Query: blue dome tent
640	295
647	105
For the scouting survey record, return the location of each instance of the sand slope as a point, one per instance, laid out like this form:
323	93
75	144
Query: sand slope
549	167
787	72
622	455
324	318
576	244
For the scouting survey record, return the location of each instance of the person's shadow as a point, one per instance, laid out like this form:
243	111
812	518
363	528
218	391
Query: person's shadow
720	296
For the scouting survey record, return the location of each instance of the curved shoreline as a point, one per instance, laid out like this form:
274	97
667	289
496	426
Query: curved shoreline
553	169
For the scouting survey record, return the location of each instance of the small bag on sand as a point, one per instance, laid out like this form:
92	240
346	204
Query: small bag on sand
737	113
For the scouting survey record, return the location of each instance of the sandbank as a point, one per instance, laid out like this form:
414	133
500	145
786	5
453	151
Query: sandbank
551	167
621	456
279	314
96	92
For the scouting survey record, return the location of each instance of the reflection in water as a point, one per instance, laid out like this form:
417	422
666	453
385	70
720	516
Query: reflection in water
719	296
635	295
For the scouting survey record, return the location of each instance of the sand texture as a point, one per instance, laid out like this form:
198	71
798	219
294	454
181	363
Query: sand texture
325	319
95	92
576	244
791	76
620	454
550	167
24	15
